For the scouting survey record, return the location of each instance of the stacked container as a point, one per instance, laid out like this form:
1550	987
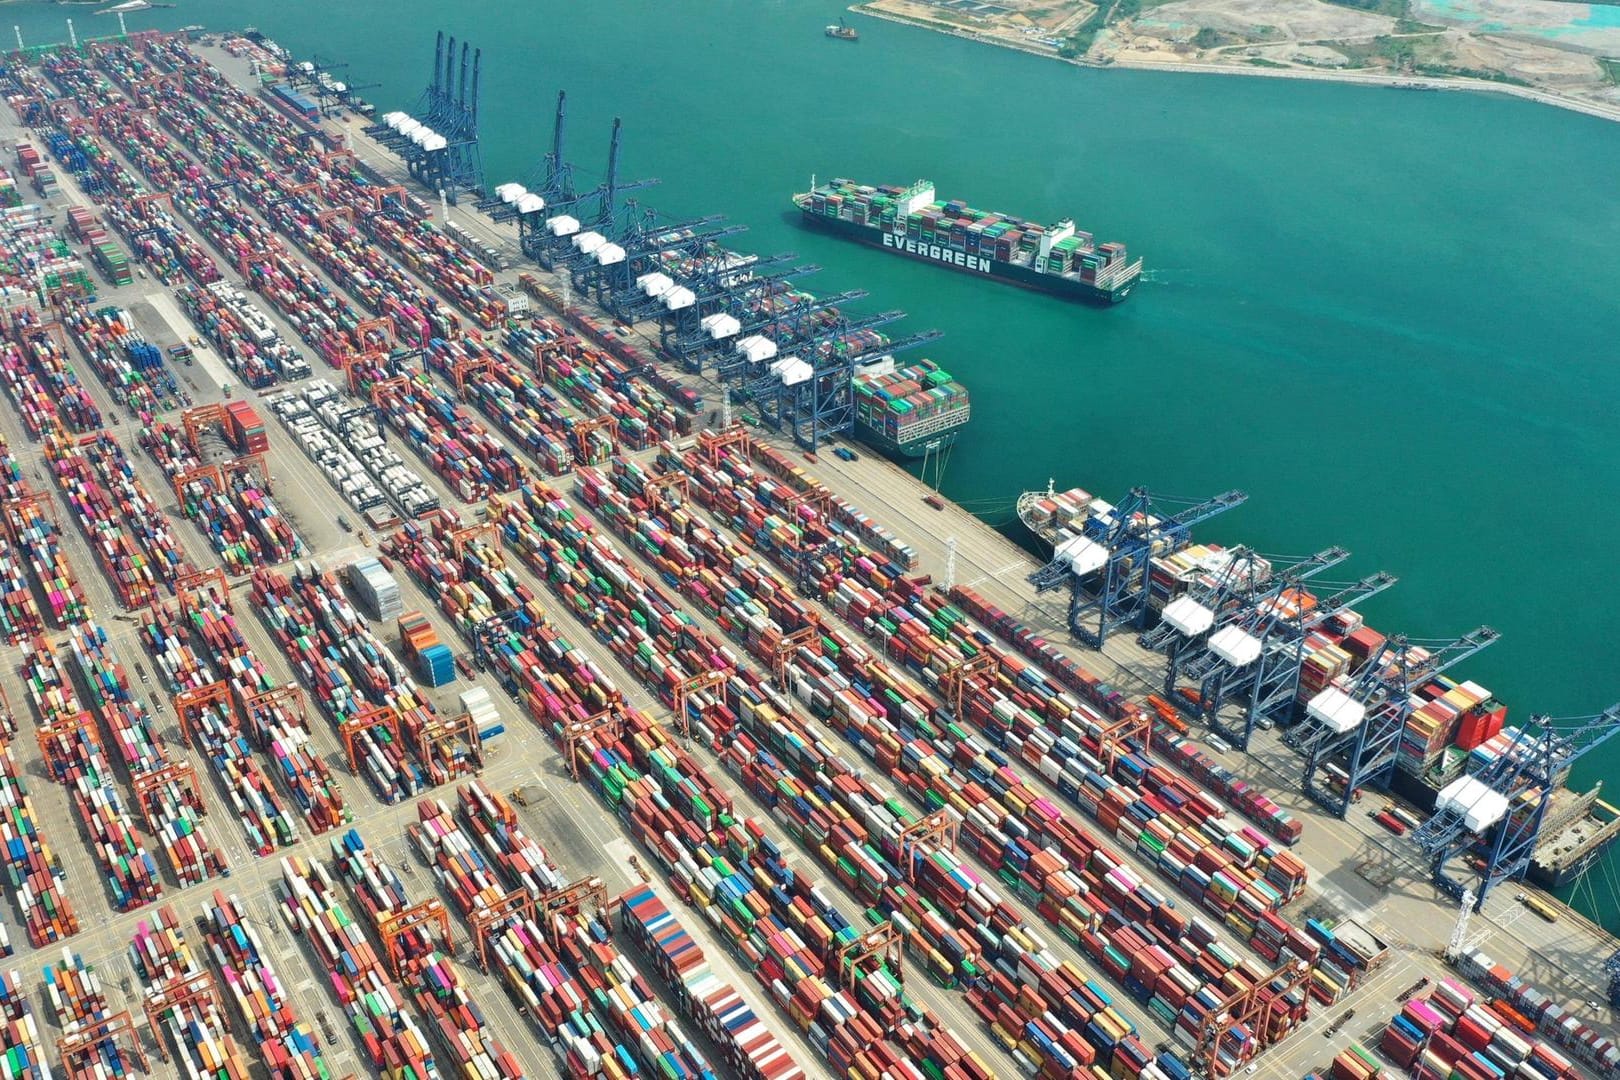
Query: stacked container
121	521
376	589
470	460
22	1051
74	755
430	976
527	411
130	366
172	808
285	1041
198	1030
33	871
392	1037
78	1002
1558	1023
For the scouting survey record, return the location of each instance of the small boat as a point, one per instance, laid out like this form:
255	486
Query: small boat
842	31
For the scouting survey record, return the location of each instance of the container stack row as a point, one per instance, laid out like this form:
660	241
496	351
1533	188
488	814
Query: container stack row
170	803
710	1002
230	504
782	925
74	755
35	406
579	1015
878	536
275	725
79	1004
597	384
22	1051
196	1023
1559	1023
243	334
47	356
421	961
122	523
284	1039
394	1042
34	874
210	721
470	460
1453	1033
428	656
35	259
376	589
340	436
341	468
33	558
130	366
527	411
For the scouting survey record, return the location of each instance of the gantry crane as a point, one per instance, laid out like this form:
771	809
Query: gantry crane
491	918
176	994
1500	810
562	237
1357	728
1258	1009
719	287
763	318
585	894
655	278
684	693
1255	660
1186	632
815	398
1106	566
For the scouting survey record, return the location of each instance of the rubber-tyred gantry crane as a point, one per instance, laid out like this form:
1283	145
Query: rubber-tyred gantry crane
954	680
610	720
936	832
177	993
174	772
1255	1008
210	582
191	704
782	655
487	920
883	943
686	691
86	1040
370	718
586	894
393	929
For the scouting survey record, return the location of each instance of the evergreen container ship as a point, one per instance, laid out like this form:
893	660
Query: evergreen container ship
910	221
908	410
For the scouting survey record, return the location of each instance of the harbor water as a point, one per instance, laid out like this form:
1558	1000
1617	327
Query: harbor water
1388	316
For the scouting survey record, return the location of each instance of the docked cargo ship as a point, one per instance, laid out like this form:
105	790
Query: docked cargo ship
909	410
910	221
1458	731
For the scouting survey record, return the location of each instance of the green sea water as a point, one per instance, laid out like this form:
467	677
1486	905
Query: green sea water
1388	316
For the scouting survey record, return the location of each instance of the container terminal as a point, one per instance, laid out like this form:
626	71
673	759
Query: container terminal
314	518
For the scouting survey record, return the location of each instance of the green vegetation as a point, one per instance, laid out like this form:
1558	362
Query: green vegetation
1260	61
1396	8
1085	35
1207	38
1611	69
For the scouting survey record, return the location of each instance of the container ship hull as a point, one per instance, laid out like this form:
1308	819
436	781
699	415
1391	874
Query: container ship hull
904	447
874	235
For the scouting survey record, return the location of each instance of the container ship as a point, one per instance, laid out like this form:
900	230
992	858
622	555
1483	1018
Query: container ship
910	221
908	410
1459	730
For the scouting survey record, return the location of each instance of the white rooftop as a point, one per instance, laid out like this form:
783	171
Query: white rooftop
1479	804
680	297
1337	710
1234	646
588	242
563	225
1188	617
1084	554
609	254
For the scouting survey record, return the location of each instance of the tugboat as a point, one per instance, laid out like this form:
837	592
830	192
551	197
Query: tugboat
843	31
